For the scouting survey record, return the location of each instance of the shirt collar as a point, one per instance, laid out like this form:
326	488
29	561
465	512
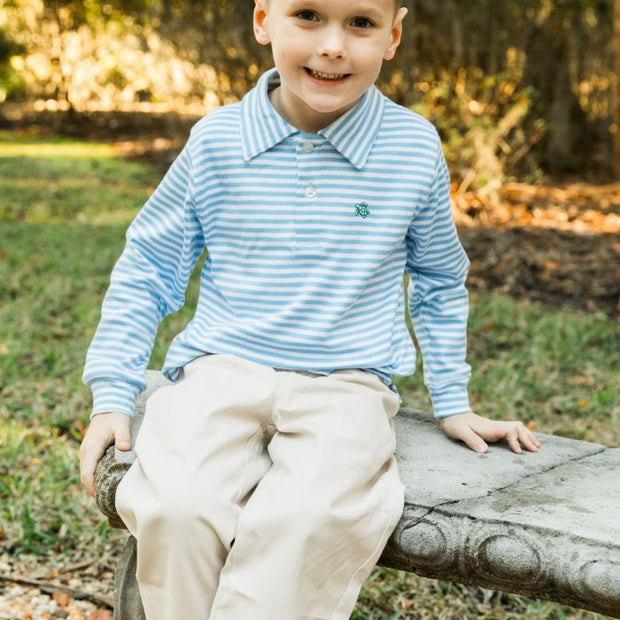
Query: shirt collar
352	135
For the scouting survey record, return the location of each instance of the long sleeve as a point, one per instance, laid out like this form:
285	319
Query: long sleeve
438	303
147	283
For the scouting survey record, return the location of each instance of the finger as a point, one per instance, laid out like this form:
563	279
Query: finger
122	438
87	469
91	451
491	430
474	441
529	441
512	437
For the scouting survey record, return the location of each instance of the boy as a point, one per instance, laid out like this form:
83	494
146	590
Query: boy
265	485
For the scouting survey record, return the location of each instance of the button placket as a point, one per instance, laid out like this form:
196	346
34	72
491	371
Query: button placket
308	236
306	147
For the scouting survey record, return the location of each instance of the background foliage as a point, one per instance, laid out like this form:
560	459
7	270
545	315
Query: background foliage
516	87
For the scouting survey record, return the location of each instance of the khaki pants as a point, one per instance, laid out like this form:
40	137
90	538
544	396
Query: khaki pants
260	494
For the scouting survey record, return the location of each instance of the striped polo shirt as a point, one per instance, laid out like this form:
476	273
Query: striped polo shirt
308	236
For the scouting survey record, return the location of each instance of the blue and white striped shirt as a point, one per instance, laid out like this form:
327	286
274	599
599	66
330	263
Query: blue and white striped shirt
308	236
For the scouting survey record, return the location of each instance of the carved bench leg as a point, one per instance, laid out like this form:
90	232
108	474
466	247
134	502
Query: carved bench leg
127	602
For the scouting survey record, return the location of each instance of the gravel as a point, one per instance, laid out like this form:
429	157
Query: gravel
20	601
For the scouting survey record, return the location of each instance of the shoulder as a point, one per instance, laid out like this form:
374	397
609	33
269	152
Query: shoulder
408	127
219	120
410	139
219	127
395	113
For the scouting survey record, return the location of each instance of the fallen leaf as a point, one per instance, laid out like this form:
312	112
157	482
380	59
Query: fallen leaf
62	598
407	603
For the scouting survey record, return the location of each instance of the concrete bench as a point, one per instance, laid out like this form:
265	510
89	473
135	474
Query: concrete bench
543	524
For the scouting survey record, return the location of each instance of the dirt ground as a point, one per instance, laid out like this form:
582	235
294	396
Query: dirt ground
35	588
556	244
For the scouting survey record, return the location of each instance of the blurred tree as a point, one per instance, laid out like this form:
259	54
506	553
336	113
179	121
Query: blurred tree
567	53
10	80
218	33
544	66
617	93
67	16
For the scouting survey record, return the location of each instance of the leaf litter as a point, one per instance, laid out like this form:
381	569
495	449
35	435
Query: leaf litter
558	245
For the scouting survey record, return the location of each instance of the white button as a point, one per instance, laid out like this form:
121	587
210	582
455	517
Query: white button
307	146
310	191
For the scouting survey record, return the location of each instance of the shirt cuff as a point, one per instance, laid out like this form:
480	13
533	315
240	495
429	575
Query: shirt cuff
114	397
450	400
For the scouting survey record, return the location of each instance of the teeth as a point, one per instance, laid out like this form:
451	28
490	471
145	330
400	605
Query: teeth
326	76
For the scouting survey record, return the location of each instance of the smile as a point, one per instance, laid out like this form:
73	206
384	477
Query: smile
319	75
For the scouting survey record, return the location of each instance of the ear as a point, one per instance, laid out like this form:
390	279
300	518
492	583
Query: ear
261	29
395	34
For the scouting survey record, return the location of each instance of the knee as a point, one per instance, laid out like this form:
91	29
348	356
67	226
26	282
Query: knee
184	510
178	511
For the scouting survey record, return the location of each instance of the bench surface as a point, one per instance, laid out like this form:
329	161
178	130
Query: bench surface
543	524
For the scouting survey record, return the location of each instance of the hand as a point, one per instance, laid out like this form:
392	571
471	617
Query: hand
474	430
105	429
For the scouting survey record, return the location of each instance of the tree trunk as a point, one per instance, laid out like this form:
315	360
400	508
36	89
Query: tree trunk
617	72
560	151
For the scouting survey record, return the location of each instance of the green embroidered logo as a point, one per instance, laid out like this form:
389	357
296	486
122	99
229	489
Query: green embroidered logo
361	208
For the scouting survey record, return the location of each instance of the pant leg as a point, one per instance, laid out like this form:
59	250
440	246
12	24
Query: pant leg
319	519
200	452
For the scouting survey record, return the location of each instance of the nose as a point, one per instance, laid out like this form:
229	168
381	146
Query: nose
332	43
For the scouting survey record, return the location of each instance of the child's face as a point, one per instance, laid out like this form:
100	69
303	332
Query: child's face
327	52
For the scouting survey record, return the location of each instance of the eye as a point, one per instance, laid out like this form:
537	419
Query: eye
362	22
307	15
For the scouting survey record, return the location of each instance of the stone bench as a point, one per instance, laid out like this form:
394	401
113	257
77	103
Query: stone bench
543	524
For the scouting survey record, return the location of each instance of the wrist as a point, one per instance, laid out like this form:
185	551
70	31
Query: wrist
443	419
113	397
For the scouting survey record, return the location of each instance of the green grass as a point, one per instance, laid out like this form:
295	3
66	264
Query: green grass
397	595
65	206
63	180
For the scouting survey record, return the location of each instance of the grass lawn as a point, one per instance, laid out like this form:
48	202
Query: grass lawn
64	207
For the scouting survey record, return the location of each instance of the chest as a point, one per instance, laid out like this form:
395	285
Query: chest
304	196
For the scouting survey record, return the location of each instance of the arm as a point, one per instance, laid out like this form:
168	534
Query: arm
148	282
438	306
